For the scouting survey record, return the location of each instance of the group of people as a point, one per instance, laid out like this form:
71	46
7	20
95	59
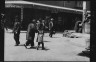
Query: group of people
39	27
33	27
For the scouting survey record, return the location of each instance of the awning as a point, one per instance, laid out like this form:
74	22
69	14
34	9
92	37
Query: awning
26	4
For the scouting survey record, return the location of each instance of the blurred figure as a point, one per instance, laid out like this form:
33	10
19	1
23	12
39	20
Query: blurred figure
78	26
31	34
88	20
51	27
43	23
5	24
47	18
40	36
16	30
2	20
38	24
87	49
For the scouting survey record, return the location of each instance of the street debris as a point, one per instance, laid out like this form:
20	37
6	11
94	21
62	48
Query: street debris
69	34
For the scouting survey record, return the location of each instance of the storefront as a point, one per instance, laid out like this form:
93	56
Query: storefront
64	18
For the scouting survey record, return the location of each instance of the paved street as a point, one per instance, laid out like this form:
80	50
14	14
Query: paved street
58	48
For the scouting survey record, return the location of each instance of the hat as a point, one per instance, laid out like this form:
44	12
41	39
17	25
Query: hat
52	19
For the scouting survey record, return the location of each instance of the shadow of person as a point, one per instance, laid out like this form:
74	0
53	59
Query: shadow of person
46	49
32	48
46	41
85	53
21	45
40	48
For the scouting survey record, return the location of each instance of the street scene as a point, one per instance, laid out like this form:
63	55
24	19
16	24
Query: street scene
58	48
46	31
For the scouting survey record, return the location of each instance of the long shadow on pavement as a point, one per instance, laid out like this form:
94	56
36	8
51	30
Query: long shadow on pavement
32	48
87	54
46	41
40	48
21	45
36	47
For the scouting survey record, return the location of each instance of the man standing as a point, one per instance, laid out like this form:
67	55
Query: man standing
51	27
87	24
31	34
16	30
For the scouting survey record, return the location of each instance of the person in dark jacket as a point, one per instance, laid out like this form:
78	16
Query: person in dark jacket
16	31
78	26
31	34
51	29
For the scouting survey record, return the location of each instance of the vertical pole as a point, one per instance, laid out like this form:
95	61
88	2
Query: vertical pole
84	15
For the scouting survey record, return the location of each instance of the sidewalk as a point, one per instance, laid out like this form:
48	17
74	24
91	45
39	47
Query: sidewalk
82	37
58	48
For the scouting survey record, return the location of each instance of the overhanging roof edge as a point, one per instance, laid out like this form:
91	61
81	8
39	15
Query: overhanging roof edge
46	5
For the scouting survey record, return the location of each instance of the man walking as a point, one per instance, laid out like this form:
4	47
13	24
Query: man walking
51	27
16	30
31	34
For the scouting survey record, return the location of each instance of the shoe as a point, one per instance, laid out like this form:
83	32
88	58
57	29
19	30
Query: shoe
43	48
25	46
19	43
37	48
32	47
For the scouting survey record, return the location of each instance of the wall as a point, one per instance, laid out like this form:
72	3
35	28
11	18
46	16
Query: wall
69	4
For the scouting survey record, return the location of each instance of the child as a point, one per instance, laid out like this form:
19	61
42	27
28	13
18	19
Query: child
40	36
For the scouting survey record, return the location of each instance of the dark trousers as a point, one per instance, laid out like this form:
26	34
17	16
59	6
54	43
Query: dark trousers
41	43
16	38
30	42
51	32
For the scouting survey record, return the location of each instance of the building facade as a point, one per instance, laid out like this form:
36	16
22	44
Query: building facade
64	19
